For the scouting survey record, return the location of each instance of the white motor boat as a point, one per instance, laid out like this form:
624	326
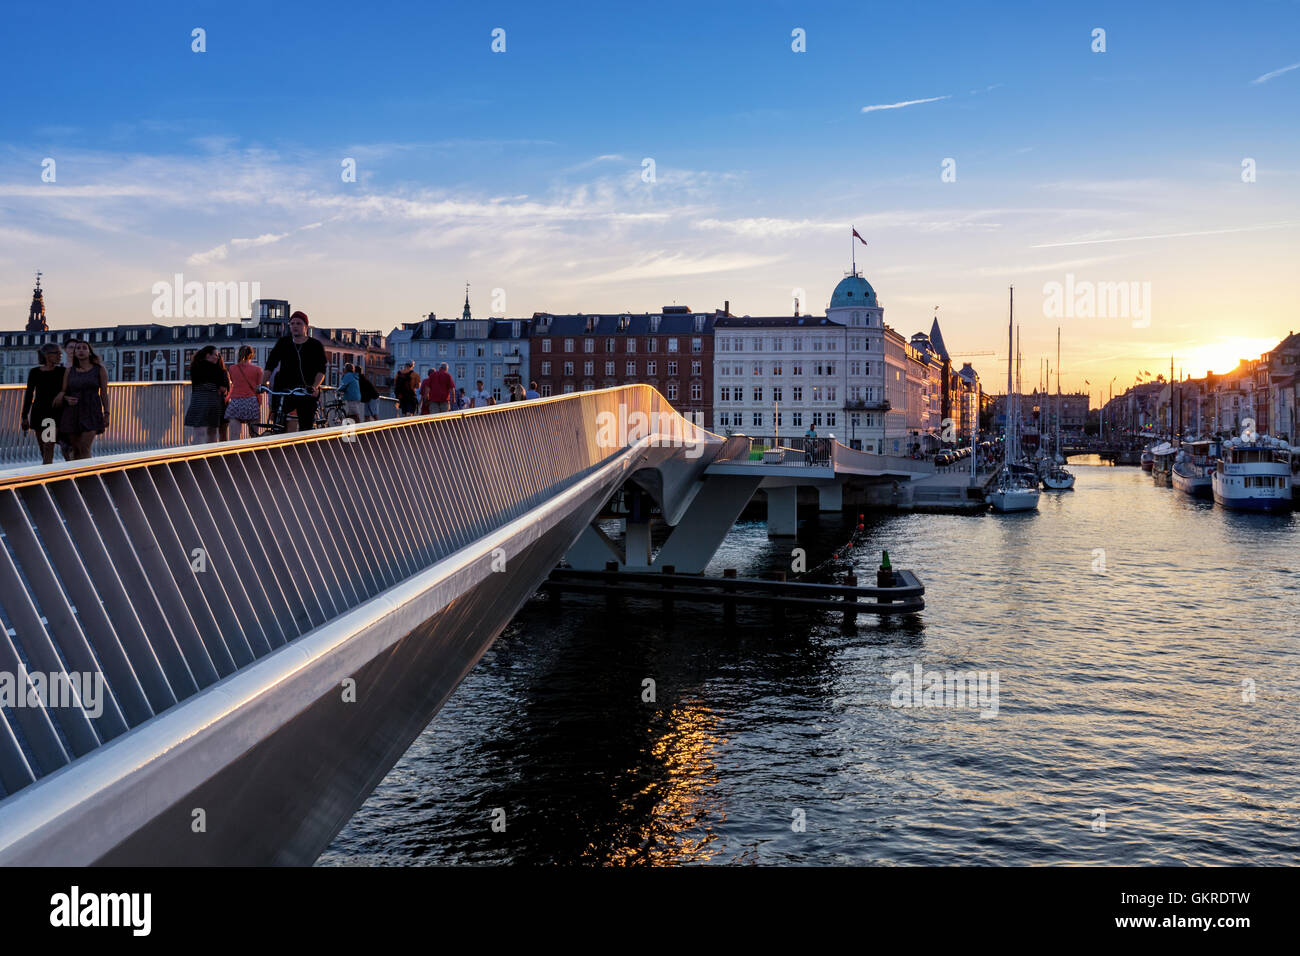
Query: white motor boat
1194	467
1058	478
1013	493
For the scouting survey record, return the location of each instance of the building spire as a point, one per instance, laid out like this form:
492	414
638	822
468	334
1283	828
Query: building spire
36	315
465	313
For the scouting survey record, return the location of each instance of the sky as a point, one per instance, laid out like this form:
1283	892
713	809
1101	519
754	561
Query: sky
625	157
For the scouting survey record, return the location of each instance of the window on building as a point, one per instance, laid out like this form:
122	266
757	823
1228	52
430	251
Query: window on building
697	345
758	393
589	345
652	368
724	419
758	368
830	393
776	368
817	420
546	345
588	368
672	368
724	344
778	344
631	369
568	388
796	369
496	392
480	371
672	345
697	392
830	419
568	345
777	393
546	390
756	344
695	368
652	345
672	391
796	345
758	419
568	368
460	371
796	419
724	394
609	368
546	368
796	393
631	346
817	345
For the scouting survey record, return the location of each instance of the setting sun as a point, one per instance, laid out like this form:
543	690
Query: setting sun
1222	355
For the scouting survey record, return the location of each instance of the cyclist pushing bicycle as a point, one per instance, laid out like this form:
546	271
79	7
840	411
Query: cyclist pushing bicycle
296	369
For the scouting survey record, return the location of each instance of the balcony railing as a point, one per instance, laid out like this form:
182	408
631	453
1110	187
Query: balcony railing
861	404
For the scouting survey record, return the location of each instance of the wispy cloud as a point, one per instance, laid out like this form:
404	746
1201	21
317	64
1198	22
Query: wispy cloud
1268	76
263	240
897	106
215	254
659	265
1166	235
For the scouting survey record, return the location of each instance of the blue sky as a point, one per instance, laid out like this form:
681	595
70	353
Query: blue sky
522	170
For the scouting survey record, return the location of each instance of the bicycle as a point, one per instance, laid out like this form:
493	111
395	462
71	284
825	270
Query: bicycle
280	423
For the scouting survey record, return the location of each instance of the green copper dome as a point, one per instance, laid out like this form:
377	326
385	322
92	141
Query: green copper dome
853	290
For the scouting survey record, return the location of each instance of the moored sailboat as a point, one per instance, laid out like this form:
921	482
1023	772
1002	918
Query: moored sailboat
1014	490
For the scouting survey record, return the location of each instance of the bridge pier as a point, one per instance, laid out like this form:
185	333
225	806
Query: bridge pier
830	497
715	505
782	511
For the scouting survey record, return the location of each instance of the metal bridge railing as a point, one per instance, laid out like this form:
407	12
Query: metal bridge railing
143	416
165	572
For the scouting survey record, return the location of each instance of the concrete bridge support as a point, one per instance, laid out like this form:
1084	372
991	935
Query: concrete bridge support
715	504
830	497
782	511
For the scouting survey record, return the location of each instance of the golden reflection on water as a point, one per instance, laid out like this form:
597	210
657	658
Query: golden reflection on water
676	812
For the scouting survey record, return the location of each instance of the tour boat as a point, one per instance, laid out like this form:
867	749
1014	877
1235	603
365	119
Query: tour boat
1253	474
1162	466
1015	490
1194	466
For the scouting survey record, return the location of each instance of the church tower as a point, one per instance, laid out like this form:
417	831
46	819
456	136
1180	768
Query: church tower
36	316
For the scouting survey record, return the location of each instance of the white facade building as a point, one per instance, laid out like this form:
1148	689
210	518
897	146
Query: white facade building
774	377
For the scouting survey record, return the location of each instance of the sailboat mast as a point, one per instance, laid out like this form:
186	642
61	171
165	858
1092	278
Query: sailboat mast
1058	390
1006	438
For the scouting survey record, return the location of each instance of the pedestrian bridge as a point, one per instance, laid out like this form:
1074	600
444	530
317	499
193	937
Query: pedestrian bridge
214	653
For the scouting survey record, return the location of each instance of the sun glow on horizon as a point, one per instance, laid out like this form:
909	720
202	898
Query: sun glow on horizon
1221	355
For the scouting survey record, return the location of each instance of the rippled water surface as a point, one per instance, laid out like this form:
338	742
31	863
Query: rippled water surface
1126	692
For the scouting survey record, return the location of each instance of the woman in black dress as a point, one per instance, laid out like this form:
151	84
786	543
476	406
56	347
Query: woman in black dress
43	383
210	384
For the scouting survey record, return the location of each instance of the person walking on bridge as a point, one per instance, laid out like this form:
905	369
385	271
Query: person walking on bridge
83	400
810	445
369	394
43	383
406	383
298	361
441	388
479	398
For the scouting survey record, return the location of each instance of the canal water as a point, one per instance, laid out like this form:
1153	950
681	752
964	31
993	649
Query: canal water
1147	707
